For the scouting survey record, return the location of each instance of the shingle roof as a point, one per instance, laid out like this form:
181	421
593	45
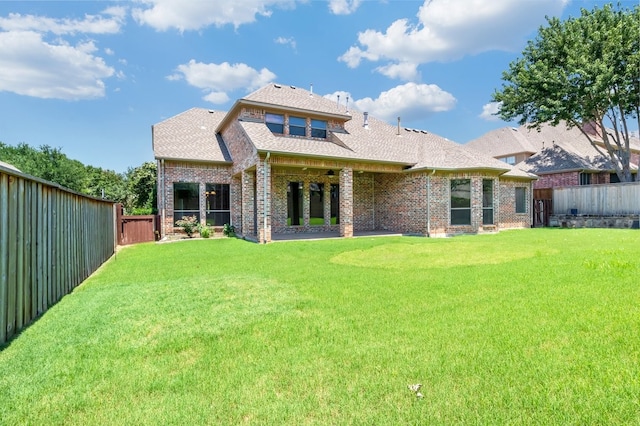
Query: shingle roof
190	136
508	141
503	142
9	166
295	97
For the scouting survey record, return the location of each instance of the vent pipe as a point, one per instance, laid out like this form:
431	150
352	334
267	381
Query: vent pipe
366	120
338	102
347	105
311	90
398	126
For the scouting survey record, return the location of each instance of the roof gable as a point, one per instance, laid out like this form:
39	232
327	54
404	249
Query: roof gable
190	136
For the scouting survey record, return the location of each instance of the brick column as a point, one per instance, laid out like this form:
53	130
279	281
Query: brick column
248	199
263	174
346	202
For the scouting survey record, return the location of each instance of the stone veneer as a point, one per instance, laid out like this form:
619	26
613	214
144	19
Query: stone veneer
579	221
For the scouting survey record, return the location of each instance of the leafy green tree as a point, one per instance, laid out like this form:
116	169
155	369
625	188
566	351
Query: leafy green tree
582	70
142	188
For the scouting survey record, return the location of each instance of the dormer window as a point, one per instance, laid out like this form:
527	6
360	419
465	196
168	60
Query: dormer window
319	129
275	122
297	126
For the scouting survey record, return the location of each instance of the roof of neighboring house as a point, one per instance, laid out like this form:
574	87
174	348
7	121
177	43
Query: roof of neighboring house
190	136
509	141
180	136
9	166
555	159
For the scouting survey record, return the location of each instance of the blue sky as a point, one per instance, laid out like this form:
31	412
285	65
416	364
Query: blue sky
92	77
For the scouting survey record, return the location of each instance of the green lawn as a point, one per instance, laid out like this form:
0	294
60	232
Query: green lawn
523	327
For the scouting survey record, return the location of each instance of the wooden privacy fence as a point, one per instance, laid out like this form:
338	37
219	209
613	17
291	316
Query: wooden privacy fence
598	200
136	229
51	239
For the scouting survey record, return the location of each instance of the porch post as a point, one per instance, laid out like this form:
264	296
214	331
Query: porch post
248	199
346	202
263	195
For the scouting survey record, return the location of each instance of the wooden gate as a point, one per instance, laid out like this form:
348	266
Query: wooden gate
136	229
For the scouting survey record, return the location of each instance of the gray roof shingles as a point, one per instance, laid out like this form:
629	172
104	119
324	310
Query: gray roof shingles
191	135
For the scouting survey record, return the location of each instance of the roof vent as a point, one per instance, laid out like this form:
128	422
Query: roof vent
424	131
311	90
293	87
277	86
515	129
211	111
366	120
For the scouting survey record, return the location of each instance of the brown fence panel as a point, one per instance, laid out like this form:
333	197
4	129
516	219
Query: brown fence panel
51	239
135	229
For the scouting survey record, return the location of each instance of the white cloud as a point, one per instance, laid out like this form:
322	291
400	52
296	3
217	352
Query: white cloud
343	7
289	41
403	71
33	67
490	110
91	24
447	30
219	79
194	15
410	101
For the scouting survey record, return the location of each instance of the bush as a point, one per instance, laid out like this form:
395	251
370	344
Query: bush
204	230
189	224
229	230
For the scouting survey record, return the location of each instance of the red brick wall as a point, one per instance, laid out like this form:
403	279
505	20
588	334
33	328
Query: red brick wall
201	173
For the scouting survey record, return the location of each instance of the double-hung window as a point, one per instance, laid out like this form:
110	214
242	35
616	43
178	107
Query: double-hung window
319	129
297	126
275	122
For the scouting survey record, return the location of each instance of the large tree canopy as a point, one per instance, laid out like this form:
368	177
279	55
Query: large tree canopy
582	70
135	189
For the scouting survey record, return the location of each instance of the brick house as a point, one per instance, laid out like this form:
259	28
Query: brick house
283	160
557	155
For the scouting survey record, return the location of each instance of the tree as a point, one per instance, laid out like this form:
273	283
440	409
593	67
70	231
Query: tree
578	71
142	188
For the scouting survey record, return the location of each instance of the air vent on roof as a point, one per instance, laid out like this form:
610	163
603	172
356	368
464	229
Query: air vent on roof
407	129
293	87
515	129
277	86
424	131
211	111
416	130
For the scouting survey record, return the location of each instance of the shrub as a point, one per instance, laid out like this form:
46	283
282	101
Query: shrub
189	224
204	230
229	230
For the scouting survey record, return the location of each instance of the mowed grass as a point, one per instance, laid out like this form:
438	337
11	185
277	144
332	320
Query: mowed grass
523	327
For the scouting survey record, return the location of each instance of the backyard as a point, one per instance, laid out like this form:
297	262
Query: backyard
538	326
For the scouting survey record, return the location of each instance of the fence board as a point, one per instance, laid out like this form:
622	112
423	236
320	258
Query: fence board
600	200
4	255
51	239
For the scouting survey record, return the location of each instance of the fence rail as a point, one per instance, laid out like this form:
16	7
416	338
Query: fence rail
600	200
51	239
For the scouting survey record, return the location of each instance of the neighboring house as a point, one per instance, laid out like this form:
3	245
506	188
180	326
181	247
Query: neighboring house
557	155
284	160
9	166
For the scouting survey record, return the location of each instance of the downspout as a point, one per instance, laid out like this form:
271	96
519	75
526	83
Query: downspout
264	200
429	202
162	197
